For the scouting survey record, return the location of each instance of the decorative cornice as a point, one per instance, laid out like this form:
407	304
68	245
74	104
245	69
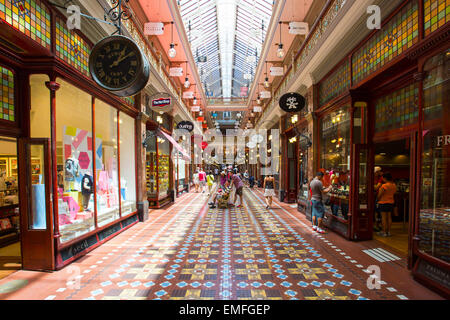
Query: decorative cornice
441	36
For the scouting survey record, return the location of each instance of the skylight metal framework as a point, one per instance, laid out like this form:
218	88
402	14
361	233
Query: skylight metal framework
227	43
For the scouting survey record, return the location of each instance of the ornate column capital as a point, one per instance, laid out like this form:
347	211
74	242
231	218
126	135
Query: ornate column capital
52	85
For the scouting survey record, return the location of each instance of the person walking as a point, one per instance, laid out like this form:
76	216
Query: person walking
195	178
239	185
209	181
202	180
386	204
269	190
318	209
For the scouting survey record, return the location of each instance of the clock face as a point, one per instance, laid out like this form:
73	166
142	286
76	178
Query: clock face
116	63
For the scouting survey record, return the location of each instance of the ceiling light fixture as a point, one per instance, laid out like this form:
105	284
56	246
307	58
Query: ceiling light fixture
280	51
266	80
172	52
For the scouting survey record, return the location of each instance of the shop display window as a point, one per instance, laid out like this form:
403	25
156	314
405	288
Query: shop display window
335	142
163	166
151	168
106	163
127	169
75	159
434	226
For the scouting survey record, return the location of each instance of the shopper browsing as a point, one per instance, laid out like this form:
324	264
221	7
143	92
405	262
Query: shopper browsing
239	185
209	181
318	209
386	204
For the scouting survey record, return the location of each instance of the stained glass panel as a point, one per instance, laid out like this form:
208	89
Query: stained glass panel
129	101
71	48
30	17
400	34
335	84
437	13
7	94
398	109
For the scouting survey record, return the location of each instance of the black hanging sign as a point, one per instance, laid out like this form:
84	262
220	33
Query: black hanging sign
292	102
186	125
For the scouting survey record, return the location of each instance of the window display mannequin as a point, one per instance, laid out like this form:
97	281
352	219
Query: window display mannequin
71	172
87	188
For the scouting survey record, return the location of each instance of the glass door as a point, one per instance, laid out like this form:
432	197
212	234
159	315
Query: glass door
36	218
361	203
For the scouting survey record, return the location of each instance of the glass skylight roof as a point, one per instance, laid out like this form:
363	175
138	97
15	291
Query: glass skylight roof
229	33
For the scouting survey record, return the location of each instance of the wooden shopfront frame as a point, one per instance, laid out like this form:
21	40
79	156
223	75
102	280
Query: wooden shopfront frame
25	58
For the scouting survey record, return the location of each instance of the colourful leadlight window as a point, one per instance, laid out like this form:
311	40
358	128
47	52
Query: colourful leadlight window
129	101
397	110
7	95
71	48
437	13
30	17
400	34
335	84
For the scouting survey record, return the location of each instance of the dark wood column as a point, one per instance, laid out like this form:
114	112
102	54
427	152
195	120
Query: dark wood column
141	192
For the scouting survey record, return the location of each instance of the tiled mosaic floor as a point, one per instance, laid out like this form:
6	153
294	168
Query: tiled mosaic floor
191	252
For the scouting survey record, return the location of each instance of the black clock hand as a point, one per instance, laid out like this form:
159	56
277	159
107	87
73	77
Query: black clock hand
116	63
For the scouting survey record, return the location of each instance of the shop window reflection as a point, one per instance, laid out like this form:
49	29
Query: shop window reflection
435	204
127	168
335	159
74	161
106	163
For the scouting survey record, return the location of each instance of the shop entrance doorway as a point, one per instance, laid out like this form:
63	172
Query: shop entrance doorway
394	158
36	218
10	250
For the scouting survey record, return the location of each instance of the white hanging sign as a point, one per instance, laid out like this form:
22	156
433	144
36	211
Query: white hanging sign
301	28
265	94
188	95
154	28
257	109
276	71
195	108
176	72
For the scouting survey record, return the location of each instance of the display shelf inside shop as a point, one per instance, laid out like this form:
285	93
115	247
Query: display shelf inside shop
9	224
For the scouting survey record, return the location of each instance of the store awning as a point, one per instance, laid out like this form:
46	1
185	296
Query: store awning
164	135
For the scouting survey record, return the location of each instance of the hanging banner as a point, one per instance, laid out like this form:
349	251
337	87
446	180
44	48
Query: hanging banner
161	102
154	28
244	91
292	102
276	71
188	95
265	94
185	125
176	72
301	28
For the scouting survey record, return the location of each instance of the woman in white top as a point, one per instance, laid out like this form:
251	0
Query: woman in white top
196	180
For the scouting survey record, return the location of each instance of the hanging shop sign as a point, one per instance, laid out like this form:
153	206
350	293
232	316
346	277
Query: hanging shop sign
205	126
201	119
118	65
276	71
204	145
202	59
188	95
257	109
161	102
185	125
176	72
214	115
195	108
292	102
154	28
265	94
301	28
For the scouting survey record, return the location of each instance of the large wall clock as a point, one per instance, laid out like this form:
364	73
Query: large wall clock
117	64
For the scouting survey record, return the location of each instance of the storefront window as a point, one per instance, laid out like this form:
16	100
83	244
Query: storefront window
74	160
435	202
163	166
335	158
151	168
127	164
106	163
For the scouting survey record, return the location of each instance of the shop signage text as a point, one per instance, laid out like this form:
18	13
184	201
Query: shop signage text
185	125
154	28
292	102
443	140
301	28
161	102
